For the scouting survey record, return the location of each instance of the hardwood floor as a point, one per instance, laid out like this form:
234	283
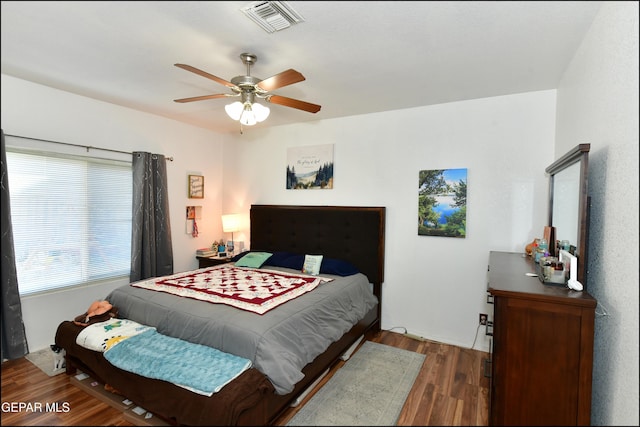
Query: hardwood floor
24	383
450	390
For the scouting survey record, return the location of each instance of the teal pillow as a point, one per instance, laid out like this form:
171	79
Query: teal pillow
253	259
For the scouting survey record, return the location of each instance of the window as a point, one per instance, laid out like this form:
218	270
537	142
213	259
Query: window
71	219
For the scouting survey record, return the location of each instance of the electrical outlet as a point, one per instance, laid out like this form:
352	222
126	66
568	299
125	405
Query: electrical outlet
483	319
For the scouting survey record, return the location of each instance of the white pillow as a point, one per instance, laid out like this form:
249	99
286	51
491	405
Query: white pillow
312	264
102	336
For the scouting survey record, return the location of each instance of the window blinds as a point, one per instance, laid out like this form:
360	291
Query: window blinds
71	219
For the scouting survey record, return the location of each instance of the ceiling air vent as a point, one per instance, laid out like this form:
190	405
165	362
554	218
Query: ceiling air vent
272	15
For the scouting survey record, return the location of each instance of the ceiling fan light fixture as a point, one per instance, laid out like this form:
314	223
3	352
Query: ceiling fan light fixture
248	118
249	88
234	110
247	113
261	112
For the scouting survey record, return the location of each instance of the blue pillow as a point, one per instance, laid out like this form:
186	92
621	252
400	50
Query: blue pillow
278	258
294	262
337	267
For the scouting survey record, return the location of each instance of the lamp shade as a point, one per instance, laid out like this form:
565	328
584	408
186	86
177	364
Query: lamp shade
230	223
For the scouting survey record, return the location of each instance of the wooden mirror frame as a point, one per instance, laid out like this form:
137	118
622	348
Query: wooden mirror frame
580	154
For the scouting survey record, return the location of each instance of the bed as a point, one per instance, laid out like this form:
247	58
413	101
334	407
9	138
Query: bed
260	394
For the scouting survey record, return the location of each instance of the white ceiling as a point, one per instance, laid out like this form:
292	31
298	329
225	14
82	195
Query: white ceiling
357	57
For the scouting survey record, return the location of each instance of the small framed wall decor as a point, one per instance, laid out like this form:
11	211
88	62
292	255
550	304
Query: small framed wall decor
196	187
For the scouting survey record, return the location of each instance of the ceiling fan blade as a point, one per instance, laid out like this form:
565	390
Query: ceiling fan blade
282	79
207	75
202	98
293	103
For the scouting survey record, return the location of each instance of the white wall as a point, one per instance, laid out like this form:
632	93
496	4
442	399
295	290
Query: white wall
598	104
434	286
41	112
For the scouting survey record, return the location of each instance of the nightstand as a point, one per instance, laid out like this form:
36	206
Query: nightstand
205	261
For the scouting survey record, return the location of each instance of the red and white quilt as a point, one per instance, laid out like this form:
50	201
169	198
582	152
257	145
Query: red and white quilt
251	289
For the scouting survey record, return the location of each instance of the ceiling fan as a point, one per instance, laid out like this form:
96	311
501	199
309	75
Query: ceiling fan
248	88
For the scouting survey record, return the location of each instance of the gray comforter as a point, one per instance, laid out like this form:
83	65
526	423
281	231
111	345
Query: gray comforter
279	343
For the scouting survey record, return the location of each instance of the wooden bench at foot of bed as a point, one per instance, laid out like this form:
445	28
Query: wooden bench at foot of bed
240	402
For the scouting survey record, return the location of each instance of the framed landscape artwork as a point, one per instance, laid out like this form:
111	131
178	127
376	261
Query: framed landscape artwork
310	167
442	202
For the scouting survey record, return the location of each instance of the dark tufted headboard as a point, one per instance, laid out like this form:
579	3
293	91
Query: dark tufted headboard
352	233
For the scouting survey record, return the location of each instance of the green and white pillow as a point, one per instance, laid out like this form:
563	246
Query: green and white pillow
312	264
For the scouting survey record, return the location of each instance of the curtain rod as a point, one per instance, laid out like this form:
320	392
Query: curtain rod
88	147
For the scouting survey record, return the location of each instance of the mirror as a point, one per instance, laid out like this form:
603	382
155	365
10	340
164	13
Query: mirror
566	203
569	203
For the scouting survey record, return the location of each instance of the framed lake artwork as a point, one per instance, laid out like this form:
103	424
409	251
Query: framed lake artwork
442	202
310	167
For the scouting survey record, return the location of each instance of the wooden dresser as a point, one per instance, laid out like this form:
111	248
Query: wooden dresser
542	349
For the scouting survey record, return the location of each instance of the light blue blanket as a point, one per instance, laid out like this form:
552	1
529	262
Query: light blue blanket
199	368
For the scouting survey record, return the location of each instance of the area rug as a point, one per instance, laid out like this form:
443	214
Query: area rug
369	390
49	362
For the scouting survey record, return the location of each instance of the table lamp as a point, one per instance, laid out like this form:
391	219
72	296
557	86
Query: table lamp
230	223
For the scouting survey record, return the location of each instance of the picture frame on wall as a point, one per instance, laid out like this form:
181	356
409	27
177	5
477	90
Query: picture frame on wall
196	186
191	212
310	167
442	202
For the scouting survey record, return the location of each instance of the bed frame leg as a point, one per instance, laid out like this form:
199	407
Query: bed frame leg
70	369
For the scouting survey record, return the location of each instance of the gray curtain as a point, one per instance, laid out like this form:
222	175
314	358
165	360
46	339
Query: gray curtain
14	338
151	251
